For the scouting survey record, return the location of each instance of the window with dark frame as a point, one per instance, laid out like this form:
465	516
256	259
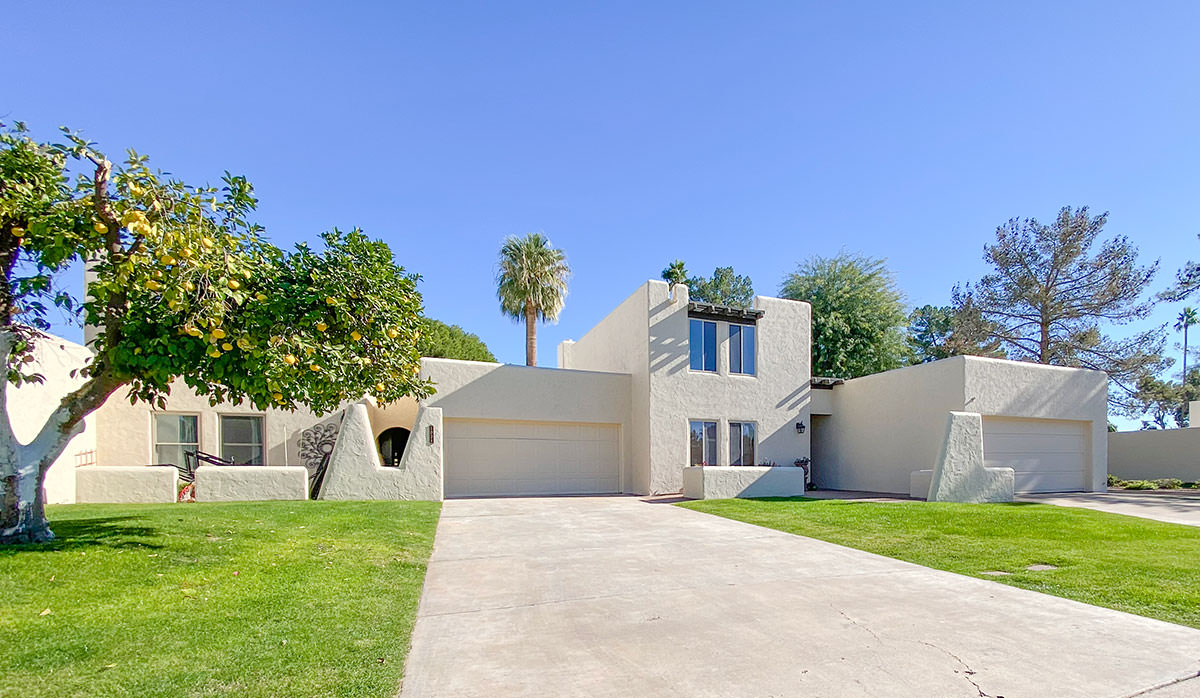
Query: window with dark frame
702	345
702	437
742	349
241	439
742	437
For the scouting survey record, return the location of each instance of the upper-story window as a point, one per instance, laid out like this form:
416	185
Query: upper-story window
741	349
702	345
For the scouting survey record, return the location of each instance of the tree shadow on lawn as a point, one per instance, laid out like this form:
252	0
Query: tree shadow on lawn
105	531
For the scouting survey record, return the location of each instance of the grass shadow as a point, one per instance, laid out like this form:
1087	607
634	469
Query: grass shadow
113	532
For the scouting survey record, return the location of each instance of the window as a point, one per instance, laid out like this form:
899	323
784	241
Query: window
241	439
703	438
741	443
741	349
175	435
702	345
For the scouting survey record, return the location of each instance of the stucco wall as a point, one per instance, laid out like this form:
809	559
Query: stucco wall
999	388
239	483
618	343
30	405
886	425
775	398
478	390
1153	454
355	471
132	484
127	430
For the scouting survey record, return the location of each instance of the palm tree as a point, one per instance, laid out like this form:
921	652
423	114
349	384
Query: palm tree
531	283
675	273
1186	319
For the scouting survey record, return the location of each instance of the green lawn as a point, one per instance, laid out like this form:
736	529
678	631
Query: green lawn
248	599
1130	564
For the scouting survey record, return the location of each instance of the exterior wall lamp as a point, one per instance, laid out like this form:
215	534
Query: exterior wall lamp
800	427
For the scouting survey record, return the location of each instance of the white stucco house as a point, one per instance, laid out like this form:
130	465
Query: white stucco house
662	396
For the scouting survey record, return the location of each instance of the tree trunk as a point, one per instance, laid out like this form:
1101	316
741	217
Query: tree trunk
530	335
1185	356
23	467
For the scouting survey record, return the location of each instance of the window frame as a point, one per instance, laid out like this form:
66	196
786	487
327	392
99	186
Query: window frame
706	358
716	424
741	440
739	329
262	435
155	443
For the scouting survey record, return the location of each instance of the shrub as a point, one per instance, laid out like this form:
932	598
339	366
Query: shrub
1169	483
1113	480
1140	485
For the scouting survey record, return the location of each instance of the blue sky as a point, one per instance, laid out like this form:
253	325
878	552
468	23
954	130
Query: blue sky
744	134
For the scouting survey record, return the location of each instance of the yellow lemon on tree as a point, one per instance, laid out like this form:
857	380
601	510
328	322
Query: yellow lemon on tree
330	300
227	346
321	327
355	335
214	352
100	227
207	242
314	367
18	231
392	333
379	387
218	333
289	360
278	397
261	296
234	284
189	286
153	285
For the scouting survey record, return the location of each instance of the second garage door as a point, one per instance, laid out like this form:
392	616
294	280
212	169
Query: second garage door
495	458
1047	455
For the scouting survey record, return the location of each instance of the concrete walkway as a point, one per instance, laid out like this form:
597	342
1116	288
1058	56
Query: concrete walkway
620	597
1171	506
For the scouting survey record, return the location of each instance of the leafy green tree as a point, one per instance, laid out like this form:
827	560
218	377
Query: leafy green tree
442	341
675	273
1187	281
1166	402
1052	289
531	283
1187	318
724	288
858	318
939	332
184	286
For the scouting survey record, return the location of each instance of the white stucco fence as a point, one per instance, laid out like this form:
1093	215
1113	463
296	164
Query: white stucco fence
355	472
248	483
728	482
130	484
1153	454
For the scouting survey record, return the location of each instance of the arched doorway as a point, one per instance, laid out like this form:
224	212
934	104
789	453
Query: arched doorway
391	445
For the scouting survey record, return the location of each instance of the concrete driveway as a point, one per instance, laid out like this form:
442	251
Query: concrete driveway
620	597
1172	506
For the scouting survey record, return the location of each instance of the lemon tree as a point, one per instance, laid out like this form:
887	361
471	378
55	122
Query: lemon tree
182	285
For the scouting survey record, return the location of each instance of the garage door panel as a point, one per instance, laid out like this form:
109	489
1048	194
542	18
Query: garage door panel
488	458
1045	455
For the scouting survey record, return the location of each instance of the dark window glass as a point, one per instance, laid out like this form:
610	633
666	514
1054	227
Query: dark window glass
741	349
702	345
741	443
241	439
702	442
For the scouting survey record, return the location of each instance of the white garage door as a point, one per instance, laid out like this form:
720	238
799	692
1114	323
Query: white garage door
1047	455
489	458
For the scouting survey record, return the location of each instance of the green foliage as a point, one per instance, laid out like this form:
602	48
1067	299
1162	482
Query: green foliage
939	332
245	600
858	318
1139	485
185	285
1130	564
1052	289
1187	281
1165	402
443	341
724	288
675	273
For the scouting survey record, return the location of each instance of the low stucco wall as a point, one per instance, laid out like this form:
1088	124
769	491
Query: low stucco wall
728	482
126	484
247	483
1152	454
